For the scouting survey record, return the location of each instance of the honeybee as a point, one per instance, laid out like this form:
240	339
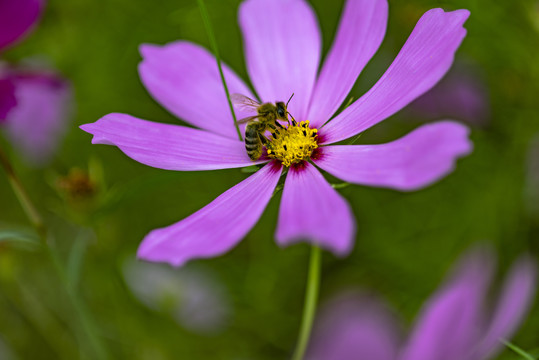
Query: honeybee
266	118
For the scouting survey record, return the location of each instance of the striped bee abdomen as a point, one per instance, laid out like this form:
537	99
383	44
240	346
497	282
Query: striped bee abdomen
253	144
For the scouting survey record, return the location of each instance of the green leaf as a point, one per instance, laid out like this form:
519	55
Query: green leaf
278	188
340	185
25	238
349	102
355	139
249	169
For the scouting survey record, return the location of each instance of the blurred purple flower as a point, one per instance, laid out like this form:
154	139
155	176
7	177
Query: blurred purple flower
190	295
34	104
38	121
453	324
283	55
461	94
7	98
16	18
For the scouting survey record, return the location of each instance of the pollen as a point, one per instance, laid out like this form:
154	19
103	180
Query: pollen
292	144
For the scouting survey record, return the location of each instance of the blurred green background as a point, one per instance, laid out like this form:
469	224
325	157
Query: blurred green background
405	241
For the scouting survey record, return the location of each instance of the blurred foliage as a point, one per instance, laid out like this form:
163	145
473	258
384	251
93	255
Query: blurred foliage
405	241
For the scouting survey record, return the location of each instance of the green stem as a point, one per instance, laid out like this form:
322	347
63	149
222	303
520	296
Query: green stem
22	196
39	225
518	350
309	308
213	43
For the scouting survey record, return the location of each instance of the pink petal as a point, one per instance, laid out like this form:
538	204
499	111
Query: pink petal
312	211
516	298
217	227
409	163
361	31
169	147
16	18
282	46
449	325
39	120
354	327
184	78
422	62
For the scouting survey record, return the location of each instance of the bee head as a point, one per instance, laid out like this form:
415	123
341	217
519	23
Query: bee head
281	110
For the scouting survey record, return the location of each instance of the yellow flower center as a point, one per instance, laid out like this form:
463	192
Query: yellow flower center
293	144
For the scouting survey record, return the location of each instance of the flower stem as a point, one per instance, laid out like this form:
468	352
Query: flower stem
213	43
523	354
37	222
22	196
309	307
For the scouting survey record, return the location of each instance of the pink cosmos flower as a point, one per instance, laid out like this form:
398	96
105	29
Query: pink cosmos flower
282	47
34	103
455	323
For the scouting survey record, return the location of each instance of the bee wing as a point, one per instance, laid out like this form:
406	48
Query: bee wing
247	119
244	103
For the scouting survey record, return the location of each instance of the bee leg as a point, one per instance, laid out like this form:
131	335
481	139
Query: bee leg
263	139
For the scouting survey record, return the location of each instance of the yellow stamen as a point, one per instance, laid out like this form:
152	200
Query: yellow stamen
293	144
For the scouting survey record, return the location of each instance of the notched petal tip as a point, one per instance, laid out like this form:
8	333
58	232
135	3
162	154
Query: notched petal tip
96	129
458	16
461	14
455	145
89	128
167	146
457	133
423	60
412	162
217	227
148	49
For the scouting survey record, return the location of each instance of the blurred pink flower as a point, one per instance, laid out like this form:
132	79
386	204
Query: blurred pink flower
283	48
462	94
455	323
39	120
34	103
16	18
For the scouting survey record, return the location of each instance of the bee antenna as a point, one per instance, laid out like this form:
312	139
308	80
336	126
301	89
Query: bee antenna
291	96
293	120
